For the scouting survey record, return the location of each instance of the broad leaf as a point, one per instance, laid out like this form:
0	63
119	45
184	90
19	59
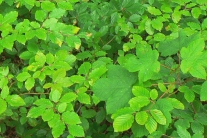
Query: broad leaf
10	17
203	92
15	100
71	118
158	116
23	76
151	125
194	59
36	112
141	117
123	122
176	103
138	102
3	106
116	88
171	47
76	130
58	129
147	65
182	132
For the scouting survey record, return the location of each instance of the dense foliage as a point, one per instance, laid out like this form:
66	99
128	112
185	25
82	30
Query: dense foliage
103	68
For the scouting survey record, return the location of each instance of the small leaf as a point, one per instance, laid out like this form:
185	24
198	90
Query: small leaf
29	83
151	125
47	5
3	106
58	129
158	116
162	87
71	118
55	95
176	104
10	17
68	97
154	11
44	103
36	112
62	107
65	5
76	130
196	12
15	100
48	114
153	94
40	15
23	76
141	117
84	98
123	122
41	34
182	132
138	102
203	92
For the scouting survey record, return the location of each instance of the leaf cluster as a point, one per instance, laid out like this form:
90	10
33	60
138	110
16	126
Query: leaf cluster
100	68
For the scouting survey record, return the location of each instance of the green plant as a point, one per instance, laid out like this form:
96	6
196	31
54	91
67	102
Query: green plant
100	68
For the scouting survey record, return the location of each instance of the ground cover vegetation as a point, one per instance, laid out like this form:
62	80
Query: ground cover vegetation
103	68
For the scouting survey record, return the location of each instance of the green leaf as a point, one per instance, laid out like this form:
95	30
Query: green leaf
171	47
182	132
141	117
54	120
147	65
58	129
65	5
157	24
203	92
3	106
40	15
148	27
47	5
10	17
176	16
134	18
84	98
36	112
4	91
197	127
29	83
140	91
57	13
55	95
153	94
151	125
58	75
194	59
44	103
138	102
162	87
84	68
71	118
41	34
15	100
68	97
188	93
116	88
176	104
23	76
154	11
196	12
158	116
123	122
48	114
76	130
30	2
62	107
